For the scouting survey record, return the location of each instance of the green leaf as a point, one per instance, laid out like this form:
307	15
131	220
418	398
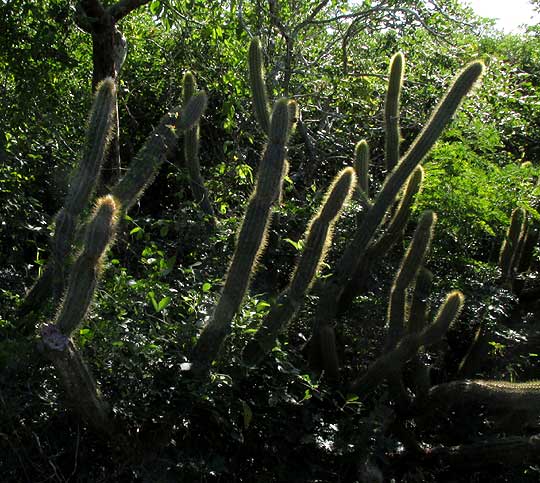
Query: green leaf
163	303
261	306
206	287
152	298
296	245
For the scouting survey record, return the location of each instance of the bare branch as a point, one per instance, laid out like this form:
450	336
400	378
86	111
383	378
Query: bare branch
310	18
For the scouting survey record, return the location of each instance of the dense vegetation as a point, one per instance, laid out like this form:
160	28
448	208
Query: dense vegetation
259	258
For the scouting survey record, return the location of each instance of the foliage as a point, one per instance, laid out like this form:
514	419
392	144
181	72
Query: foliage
279	421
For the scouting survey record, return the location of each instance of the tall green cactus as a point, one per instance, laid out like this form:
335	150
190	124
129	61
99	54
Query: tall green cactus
356	250
258	85
316	241
391	112
407	272
55	337
393	230
80	191
408	346
422	290
251	239
85	271
191	154
157	147
418	314
510	396
361	167
73	372
509	256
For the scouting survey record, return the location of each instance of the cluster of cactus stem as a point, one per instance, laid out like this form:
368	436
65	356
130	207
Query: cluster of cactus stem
381	225
359	253
406	335
76	282
253	232
517	248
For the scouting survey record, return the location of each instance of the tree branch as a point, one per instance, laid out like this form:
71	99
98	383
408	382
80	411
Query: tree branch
92	8
119	10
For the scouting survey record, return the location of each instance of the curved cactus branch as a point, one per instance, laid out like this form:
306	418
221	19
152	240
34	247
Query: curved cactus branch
316	241
191	154
251	239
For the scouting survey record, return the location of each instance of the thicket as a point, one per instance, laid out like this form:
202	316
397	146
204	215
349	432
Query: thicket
168	336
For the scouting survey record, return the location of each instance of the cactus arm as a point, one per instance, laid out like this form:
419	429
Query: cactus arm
251	240
496	394
191	154
411	263
86	269
509	251
55	338
316	241
79	194
531	240
155	150
391	111
258	85
418	312
361	167
397	224
407	348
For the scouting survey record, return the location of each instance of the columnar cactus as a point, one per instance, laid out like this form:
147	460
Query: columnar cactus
316	241
514	404
509	256
258	85
56	338
407	272
251	239
391	112
394	360
357	249
393	230
99	232
191	154
361	166
157	147
79	195
85	271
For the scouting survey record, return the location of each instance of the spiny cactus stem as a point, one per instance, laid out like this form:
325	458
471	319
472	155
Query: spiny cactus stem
422	290
155	150
317	239
191	154
356	250
501	394
391	111
80	191
85	271
407	348
397	224
258	86
361	166
251	240
509	256
412	261
97	139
